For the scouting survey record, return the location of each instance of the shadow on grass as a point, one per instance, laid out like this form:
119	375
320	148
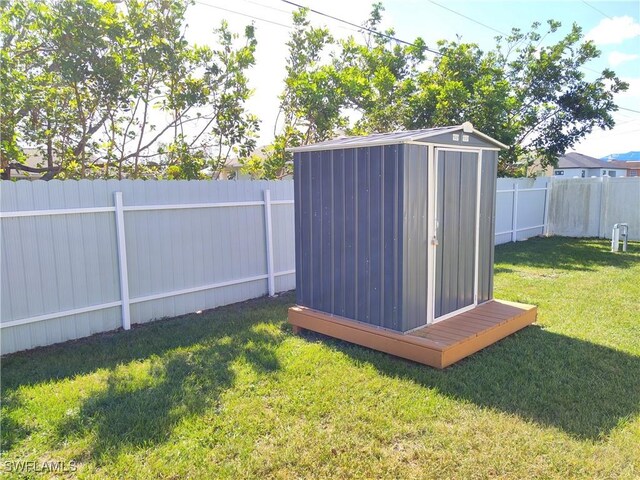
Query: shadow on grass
107	350
189	364
181	384
563	253
579	387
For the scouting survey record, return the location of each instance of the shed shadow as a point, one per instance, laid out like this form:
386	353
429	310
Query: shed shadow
110	349
138	413
156	375
579	387
564	253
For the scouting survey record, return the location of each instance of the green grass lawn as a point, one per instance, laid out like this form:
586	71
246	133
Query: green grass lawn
233	393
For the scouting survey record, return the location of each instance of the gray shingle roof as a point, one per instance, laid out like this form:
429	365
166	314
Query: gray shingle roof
578	160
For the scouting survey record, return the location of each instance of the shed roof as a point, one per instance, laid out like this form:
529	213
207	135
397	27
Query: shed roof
391	138
578	160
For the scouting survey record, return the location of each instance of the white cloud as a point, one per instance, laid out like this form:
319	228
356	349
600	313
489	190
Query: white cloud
616	58
614	30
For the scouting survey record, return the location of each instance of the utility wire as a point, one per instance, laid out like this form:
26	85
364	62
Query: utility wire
596	9
288	12
288	27
360	27
468	18
498	31
271	7
628	109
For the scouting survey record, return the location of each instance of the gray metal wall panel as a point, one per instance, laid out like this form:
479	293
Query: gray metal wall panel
415	242
338	233
392	231
487	225
467	229
326	232
315	250
356	267
362	235
56	263
351	233
304	280
376	254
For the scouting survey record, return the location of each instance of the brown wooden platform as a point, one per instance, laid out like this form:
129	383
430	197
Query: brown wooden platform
438	345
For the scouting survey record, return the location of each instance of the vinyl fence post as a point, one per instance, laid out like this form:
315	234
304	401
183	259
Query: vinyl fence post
269	240
602	215
514	216
547	199
122	261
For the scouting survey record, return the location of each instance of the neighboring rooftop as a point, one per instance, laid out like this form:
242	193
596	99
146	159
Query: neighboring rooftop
578	160
628	164
625	157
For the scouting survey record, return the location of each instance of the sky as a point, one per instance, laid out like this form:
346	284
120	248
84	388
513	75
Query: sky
614	26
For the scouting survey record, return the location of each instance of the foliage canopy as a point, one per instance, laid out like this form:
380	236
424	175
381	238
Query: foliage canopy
531	97
115	90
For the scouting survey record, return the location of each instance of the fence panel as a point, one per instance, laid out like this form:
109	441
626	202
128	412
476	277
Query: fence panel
621	204
189	246
589	207
520	208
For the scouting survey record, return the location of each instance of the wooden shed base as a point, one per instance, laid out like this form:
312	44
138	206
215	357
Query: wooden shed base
438	345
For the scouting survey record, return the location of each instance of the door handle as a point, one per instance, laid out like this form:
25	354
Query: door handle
434	242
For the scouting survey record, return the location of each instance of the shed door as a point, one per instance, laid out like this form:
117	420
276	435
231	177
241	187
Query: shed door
456	231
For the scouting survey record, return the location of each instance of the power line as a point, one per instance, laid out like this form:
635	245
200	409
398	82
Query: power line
271	7
498	31
468	18
360	27
629	109
596	9
288	27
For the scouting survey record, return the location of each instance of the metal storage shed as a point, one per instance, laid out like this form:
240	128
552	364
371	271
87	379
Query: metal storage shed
394	243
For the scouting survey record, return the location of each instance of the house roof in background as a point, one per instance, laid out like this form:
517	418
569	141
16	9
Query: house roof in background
627	164
578	160
629	156
393	138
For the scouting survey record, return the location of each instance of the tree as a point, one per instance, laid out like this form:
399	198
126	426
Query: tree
311	103
378	75
63	79
534	99
95	83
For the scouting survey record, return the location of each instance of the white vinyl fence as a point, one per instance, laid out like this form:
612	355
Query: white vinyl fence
521	208
589	207
91	256
78	258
